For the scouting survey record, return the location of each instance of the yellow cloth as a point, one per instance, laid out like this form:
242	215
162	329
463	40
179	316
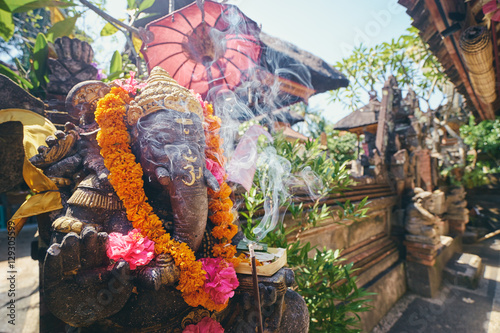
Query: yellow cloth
47	198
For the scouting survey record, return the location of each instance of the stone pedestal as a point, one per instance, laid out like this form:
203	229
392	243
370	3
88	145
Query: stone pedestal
465	270
422	253
425	272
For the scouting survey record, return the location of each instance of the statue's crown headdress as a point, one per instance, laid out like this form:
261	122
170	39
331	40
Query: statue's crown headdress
162	92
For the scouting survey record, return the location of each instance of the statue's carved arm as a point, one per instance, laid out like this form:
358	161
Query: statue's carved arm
80	285
424	212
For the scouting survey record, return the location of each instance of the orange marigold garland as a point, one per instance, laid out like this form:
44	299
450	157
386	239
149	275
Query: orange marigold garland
126	178
220	206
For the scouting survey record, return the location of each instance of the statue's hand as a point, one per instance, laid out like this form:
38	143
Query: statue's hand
160	272
79	285
67	224
58	147
72	66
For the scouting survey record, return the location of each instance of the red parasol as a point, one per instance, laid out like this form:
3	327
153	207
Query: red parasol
204	47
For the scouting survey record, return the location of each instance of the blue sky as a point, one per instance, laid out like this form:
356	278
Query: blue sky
326	28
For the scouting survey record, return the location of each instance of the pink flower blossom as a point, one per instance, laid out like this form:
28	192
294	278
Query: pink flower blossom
216	170
206	325
133	248
221	280
199	98
130	85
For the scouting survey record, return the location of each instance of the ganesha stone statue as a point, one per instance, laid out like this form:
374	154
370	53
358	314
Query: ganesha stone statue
420	223
142	244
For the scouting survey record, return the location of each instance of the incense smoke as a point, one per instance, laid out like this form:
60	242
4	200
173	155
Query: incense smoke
273	183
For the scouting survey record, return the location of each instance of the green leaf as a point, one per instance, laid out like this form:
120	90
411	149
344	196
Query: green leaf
116	63
131	4
114	76
20	6
146	4
62	28
109	29
6	25
40	55
3	6
25	84
14	4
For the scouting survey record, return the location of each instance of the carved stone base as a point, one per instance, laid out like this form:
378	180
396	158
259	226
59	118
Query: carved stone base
422	239
425	278
422	253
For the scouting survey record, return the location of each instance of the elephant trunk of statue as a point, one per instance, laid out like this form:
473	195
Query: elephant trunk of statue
185	179
190	209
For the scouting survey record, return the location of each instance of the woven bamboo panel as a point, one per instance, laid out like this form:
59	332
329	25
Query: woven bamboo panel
477	51
482	83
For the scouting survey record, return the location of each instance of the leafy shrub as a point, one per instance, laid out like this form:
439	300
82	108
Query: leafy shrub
326	283
483	140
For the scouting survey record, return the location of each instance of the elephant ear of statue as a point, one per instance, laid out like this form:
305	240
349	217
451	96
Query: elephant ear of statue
81	102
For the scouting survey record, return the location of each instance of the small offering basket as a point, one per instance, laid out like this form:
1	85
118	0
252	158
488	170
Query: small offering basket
267	269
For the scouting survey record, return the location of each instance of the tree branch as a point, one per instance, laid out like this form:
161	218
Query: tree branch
109	18
117	23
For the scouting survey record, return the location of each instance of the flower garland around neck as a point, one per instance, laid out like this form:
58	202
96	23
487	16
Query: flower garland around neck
126	178
220	206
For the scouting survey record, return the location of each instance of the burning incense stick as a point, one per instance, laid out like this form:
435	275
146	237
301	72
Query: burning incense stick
256	286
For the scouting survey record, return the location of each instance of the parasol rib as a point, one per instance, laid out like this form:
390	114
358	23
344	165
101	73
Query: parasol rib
220	16
222	72
234	65
167	27
246	55
180	66
170	56
163	43
246	40
187	21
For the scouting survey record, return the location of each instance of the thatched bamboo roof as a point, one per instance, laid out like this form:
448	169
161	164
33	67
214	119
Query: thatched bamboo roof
281	56
283	115
362	117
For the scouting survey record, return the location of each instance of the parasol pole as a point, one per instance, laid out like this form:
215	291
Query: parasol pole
201	6
256	287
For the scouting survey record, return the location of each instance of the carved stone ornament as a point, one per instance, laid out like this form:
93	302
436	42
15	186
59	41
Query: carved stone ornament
90	291
162	92
421	224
